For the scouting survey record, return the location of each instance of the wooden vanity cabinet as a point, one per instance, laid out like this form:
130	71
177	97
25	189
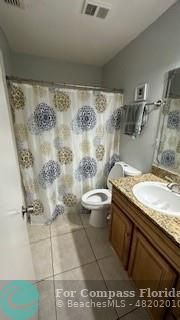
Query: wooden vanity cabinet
176	311
150	256
121	235
149	269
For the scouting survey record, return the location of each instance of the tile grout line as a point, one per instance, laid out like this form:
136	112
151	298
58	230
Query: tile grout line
81	228
49	237
82	265
124	315
63	234
103	275
70	232
88	239
96	259
54	236
38	241
119	317
98	266
106	286
43	279
84	228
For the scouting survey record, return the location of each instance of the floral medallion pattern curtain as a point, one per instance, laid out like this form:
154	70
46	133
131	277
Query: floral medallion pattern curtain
168	147
67	142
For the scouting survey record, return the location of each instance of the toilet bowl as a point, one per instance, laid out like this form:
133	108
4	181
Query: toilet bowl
99	200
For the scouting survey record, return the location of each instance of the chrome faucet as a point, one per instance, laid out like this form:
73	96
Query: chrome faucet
173	186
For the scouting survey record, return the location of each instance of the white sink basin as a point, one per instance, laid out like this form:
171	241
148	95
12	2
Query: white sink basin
157	196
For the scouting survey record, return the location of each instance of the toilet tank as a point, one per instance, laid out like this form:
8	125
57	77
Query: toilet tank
129	170
121	169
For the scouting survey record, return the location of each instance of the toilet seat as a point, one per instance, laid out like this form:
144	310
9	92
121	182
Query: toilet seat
98	201
97	198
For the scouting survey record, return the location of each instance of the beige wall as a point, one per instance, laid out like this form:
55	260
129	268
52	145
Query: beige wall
33	67
6	52
39	68
146	59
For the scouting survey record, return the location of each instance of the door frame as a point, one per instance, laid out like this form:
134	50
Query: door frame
2	69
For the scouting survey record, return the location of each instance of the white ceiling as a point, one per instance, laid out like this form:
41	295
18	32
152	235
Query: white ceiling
57	29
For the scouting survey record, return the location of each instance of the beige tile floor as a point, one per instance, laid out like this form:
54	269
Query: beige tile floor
70	249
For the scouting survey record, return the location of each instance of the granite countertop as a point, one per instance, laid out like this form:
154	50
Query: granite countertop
170	225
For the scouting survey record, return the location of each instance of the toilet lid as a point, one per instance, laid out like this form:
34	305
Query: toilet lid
121	169
115	173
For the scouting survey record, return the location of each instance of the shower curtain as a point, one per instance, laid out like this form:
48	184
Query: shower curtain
67	142
168	144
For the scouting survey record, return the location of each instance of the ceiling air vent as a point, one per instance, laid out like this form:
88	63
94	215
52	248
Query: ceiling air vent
96	9
90	9
102	12
15	3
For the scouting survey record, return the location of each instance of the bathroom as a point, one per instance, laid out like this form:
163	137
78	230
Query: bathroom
90	118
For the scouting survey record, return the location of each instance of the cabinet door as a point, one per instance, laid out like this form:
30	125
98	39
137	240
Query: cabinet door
149	269
176	311
121	231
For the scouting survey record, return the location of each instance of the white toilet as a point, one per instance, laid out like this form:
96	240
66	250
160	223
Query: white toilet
99	200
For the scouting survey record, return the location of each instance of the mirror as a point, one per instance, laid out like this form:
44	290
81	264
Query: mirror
167	153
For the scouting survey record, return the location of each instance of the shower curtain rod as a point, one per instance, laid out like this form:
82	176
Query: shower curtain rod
63	85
